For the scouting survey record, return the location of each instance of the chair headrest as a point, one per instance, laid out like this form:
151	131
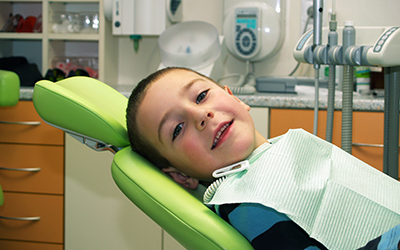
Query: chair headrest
84	105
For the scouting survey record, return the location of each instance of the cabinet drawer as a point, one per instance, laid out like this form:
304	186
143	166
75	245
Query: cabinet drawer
48	207
14	129
20	245
49	159
368	128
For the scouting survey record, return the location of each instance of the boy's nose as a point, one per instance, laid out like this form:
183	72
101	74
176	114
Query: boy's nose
203	118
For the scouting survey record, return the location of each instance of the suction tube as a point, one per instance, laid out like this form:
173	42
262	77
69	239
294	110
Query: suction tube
331	103
349	38
347	108
391	124
316	101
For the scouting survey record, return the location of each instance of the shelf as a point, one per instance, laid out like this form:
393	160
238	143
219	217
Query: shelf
73	1
21	1
42	48
51	36
21	36
74	37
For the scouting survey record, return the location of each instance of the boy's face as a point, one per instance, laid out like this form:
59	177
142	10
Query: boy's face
195	124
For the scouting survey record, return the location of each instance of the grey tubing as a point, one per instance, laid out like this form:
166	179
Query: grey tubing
243	90
347	108
331	103
391	122
316	101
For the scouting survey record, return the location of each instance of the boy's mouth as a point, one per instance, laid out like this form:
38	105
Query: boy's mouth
219	135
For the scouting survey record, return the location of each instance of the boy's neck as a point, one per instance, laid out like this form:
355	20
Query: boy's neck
259	139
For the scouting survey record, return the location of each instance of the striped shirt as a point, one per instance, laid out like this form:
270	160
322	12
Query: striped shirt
265	228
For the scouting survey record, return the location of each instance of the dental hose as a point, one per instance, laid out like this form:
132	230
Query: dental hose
331	103
349	39
316	102
347	108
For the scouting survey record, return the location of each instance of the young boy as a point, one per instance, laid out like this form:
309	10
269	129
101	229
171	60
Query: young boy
187	125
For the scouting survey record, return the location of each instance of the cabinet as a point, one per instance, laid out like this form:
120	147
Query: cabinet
97	213
44	47
367	129
32	178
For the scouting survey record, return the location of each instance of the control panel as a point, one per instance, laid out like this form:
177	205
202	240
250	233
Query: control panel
386	50
381	42
247	31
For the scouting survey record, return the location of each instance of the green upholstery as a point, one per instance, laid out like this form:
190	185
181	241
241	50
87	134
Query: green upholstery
83	105
9	88
1	196
183	216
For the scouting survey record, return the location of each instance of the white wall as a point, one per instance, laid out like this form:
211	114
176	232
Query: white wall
134	66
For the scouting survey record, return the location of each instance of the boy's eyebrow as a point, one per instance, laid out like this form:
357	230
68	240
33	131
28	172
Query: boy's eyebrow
167	114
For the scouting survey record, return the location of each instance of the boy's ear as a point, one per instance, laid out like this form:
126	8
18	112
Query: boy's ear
227	89
181	178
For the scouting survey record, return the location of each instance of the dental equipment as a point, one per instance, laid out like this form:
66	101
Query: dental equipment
317	32
385	52
246	84
349	39
253	31
285	84
192	44
332	41
142	17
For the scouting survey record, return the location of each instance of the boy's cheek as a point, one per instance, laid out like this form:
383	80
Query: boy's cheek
191	148
244	105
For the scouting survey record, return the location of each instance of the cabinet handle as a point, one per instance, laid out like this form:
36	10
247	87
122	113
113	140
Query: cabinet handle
21	123
369	145
21	169
36	218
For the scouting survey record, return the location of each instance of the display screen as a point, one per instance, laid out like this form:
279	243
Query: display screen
246	16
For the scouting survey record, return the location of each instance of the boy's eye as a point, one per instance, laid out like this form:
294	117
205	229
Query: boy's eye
177	131
201	96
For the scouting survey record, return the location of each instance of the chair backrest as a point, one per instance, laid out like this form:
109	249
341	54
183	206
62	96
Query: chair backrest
178	212
89	107
9	88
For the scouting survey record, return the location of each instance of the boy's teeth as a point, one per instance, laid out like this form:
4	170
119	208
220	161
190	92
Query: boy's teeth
220	133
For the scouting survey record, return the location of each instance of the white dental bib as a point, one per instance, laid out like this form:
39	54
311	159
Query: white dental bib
337	199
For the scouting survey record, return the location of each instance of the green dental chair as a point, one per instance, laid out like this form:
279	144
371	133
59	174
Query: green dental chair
94	113
9	88
9	96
